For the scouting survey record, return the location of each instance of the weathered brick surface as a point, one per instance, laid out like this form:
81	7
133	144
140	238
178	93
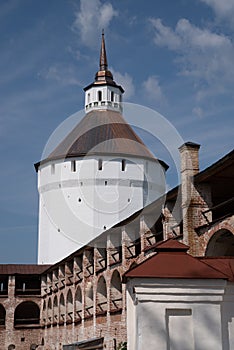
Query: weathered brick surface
64	319
84	297
195	198
203	240
66	296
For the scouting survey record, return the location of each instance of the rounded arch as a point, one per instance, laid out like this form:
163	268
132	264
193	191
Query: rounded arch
44	312
27	313
49	310
78	303
69	304
99	95
55	309
89	300
221	244
116	296
101	295
62	313
2	315
11	347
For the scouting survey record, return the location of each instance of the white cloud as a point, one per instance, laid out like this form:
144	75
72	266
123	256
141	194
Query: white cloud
165	36
202	39
92	17
222	8
62	74
204	55
197	111
153	89
126	81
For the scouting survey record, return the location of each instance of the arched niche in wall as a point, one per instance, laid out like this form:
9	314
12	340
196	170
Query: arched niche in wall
78	304
55	310
2	315
11	347
49	311
62	313
221	244
89	300
44	316
101	296
27	313
69	305
116	298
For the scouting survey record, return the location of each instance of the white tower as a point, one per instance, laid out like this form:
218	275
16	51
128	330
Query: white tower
100	174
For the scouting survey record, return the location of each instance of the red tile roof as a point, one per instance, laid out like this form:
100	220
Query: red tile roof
172	261
13	269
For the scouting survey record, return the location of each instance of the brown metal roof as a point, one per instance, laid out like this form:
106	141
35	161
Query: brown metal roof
13	269
172	261
171	245
217	168
101	132
223	264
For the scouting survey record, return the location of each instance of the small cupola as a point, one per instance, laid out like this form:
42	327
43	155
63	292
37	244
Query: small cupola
103	93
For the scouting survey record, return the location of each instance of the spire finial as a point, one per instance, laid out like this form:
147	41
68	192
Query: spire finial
103	59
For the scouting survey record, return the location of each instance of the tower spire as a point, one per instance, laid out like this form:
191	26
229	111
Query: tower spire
103	75
103	59
103	93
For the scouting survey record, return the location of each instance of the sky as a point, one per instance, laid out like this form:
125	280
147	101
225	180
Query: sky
175	57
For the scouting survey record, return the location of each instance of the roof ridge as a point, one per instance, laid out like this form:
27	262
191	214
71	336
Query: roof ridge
171	264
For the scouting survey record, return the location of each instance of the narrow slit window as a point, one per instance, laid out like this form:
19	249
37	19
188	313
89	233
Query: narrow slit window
88	98
99	95
73	166
123	164
52	169
99	164
105	183
112	96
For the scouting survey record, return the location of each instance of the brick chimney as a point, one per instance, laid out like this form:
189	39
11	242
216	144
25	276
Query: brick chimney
189	153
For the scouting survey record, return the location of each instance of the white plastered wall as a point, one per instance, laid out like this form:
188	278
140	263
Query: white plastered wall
180	314
76	206
92	101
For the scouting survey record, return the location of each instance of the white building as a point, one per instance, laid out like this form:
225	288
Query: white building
100	174
178	302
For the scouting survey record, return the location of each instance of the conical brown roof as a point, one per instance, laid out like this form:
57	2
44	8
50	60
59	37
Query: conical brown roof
102	132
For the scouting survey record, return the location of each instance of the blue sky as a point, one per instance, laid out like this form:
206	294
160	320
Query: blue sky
173	56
